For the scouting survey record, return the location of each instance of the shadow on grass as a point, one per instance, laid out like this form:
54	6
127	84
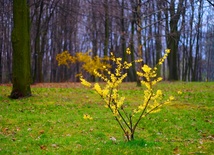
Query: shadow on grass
138	143
141	143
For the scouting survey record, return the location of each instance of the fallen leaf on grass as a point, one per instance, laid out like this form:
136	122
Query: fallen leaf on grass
5	130
113	139
54	145
43	147
78	146
211	137
87	117
208	121
13	139
176	151
201	142
41	131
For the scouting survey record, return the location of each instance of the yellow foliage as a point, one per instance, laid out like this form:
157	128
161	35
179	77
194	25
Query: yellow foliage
88	117
84	82
128	51
109	93
65	58
152	102
161	60
89	64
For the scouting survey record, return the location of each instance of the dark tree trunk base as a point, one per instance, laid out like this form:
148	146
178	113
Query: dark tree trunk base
18	95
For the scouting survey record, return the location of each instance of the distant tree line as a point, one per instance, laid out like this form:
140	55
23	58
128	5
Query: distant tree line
147	27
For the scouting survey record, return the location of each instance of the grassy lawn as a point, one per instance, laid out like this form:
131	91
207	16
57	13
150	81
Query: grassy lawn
51	122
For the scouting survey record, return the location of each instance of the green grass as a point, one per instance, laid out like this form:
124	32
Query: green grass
51	122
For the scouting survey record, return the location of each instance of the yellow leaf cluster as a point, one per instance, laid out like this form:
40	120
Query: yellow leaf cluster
88	63
152	100
87	117
109	93
161	60
65	58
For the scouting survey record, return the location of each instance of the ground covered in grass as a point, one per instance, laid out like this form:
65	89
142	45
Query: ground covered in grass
51	121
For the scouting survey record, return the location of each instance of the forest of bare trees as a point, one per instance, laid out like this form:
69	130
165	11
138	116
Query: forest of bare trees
147	27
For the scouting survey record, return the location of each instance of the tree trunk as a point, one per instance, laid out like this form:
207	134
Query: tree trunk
172	59
158	40
173	37
1	42
139	40
21	50
106	43
196	69
94	39
133	68
37	55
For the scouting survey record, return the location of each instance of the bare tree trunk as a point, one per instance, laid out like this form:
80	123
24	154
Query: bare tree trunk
173	36
37	49
139	40
1	49
21	50
158	41
106	42
196	70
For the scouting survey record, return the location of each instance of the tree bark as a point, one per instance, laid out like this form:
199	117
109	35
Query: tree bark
133	68
1	42
158	43
196	68
37	48
139	40
106	43
21	77
173	37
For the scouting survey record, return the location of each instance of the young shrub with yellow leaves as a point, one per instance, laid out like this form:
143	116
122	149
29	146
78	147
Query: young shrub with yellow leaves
128	120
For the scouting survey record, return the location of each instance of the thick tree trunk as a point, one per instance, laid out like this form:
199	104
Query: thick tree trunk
21	50
172	59
173	38
172	44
